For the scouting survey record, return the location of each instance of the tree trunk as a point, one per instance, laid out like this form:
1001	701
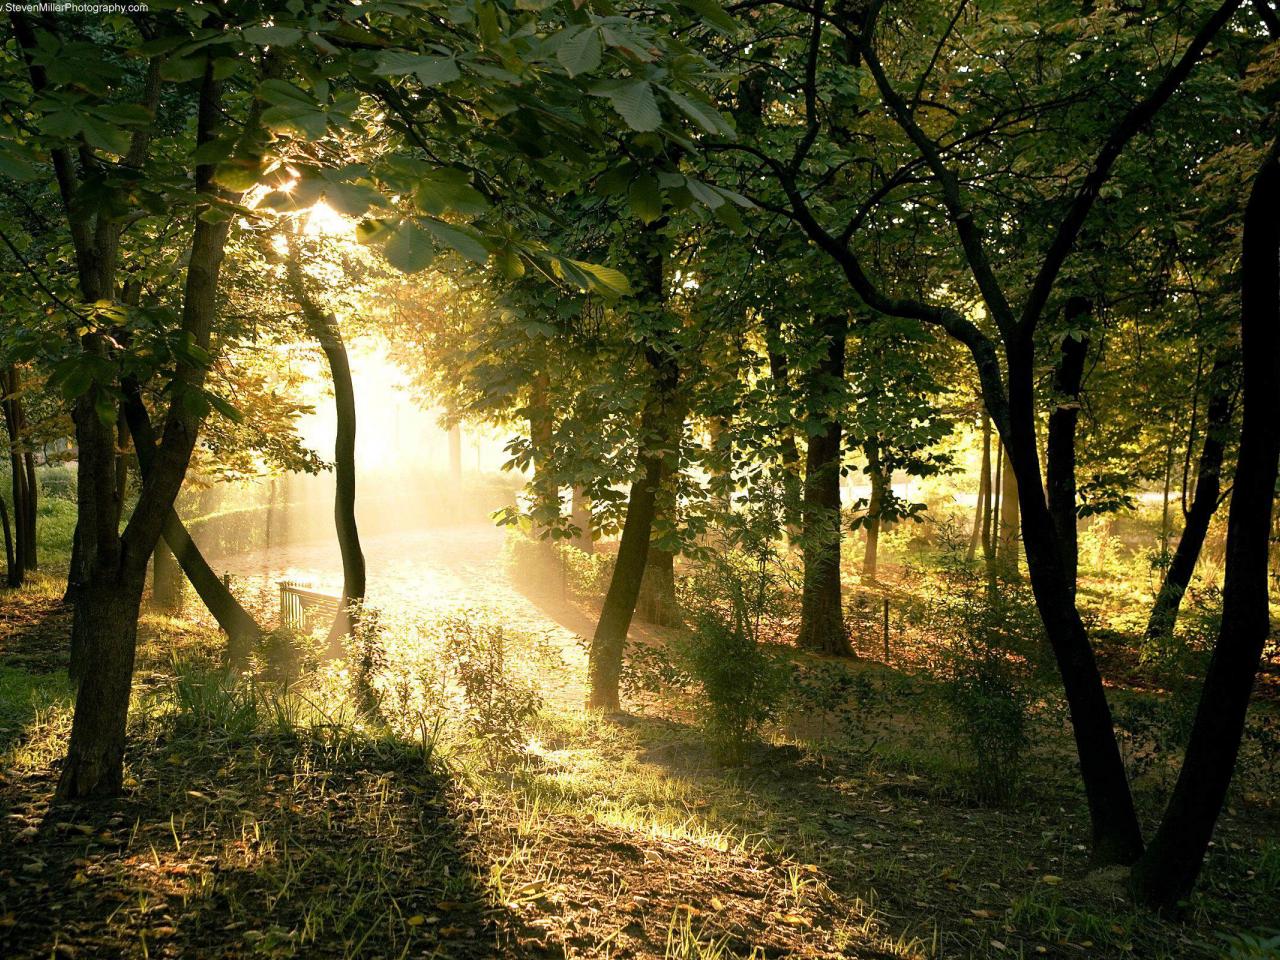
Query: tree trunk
1060	447
20	479
324	328
1204	504
243	632
580	517
983	504
13	572
875	504
822	628
1117	837
166	580
788	451
657	456
1167	872
1008	550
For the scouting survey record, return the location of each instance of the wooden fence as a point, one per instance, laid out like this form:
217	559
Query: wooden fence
302	608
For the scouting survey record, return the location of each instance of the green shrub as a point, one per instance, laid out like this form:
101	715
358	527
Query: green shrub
988	675
498	704
742	682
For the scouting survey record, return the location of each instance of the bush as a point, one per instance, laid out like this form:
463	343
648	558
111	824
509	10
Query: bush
832	692
498	703
988	676
742	681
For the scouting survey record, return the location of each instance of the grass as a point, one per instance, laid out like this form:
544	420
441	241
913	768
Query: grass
269	817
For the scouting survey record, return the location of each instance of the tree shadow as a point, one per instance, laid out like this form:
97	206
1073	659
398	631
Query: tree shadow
321	843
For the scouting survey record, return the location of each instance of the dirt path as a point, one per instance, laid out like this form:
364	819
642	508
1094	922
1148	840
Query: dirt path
432	574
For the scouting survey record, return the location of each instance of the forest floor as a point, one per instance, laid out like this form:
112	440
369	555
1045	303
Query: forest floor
265	821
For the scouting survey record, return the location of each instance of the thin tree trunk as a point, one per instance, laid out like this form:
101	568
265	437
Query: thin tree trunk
789	452
1204	504
166	579
13	572
1167	872
875	504
1007	552
822	628
984	490
610	638
990	542
1117	837
656	602
24	549
1060	447
657	454
243	632
324	328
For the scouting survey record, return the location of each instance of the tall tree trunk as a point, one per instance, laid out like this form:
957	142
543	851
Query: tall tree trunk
1010	529
243	632
982	508
1117	837
324	328
822	627
657	455
166	579
875	504
656	602
20	480
580	517
1166	873
1060	447
610	638
1204	503
13	572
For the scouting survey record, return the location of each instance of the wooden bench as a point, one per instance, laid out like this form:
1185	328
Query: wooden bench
302	608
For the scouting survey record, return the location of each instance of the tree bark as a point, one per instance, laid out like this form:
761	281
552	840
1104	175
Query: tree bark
1010	528
166	579
1166	873
21	478
610	638
13	572
1204	504
1060	446
656	602
324	328
822	628
546	494
1117	837
982	508
658	454
875	504
243	632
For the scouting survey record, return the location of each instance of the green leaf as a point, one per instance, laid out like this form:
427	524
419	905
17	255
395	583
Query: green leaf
605	280
461	240
272	36
704	115
714	14
429	70
224	407
352	199
284	93
236	175
410	248
635	104
182	70
103	135
441	191
581	52
646	198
